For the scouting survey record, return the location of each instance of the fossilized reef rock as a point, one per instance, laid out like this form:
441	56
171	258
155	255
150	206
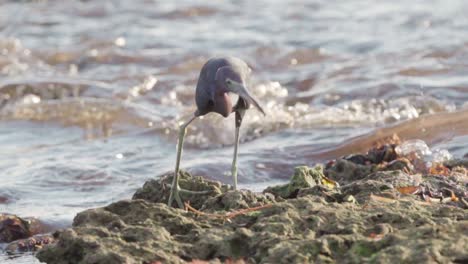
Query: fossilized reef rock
310	219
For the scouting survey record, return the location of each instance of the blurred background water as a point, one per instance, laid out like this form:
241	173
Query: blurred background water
91	92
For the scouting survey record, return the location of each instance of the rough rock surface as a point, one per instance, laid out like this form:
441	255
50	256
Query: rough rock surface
29	244
370	219
158	191
13	227
303	178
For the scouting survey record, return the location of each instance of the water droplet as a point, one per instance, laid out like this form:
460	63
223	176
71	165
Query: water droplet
120	42
427	23
441	155
93	52
73	69
415	146
31	99
173	95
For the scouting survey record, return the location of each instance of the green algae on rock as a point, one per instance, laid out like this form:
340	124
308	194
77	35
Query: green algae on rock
303	177
320	224
138	231
158	191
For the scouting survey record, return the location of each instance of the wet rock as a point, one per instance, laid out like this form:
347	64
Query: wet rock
21	234
158	191
377	155
399	164
31	244
457	163
344	171
12	228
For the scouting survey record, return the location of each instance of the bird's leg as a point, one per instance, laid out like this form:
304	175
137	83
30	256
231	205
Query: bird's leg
175	189
239	115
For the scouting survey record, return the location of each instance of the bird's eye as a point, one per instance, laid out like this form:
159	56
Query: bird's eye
228	81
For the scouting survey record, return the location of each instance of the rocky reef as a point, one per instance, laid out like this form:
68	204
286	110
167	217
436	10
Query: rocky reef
370	208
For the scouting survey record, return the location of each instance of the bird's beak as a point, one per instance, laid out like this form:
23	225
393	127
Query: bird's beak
240	90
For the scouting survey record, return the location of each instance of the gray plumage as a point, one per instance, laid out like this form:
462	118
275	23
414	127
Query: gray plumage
218	77
211	87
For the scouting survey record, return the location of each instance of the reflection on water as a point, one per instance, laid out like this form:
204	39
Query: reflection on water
91	92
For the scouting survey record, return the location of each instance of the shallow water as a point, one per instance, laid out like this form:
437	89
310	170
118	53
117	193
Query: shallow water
91	92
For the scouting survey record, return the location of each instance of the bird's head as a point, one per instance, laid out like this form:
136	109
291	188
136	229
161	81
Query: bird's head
231	80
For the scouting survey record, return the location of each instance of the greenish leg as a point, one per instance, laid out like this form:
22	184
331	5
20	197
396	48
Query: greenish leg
175	189
239	116
234	160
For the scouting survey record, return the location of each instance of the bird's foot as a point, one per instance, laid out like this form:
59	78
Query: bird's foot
175	195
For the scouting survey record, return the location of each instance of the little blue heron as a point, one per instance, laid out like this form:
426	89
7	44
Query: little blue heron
218	77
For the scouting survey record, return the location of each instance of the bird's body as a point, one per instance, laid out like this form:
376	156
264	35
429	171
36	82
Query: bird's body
218	77
210	95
